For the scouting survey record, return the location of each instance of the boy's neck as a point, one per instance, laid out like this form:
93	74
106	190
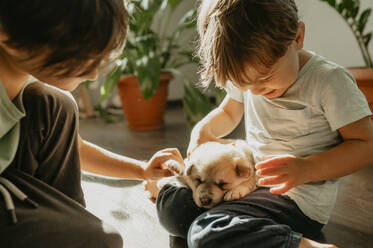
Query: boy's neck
11	77
303	56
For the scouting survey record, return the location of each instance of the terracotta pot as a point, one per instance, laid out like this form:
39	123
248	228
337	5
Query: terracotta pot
364	79
143	114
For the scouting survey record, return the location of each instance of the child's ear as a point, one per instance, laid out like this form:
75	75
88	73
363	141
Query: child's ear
242	171
3	38
299	39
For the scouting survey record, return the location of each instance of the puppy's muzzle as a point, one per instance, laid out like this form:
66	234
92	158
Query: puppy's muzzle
205	201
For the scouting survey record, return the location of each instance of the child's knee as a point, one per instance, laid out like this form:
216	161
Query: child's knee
173	204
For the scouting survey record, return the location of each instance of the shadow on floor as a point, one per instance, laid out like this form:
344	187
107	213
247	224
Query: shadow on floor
113	182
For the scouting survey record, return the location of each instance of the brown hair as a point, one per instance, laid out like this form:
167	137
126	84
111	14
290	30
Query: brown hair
75	35
234	33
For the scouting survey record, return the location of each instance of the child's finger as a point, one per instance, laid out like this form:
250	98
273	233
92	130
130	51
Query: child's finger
281	189
274	162
162	157
271	171
167	173
157	173
173	151
268	157
268	181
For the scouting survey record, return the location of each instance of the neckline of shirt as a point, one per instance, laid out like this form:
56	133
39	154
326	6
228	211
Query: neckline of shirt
11	114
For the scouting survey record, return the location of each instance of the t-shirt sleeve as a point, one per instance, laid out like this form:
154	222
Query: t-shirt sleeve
234	92
342	100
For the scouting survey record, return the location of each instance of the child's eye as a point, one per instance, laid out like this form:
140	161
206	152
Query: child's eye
222	185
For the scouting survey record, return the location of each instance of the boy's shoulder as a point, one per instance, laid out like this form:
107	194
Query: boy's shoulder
44	93
325	67
321	72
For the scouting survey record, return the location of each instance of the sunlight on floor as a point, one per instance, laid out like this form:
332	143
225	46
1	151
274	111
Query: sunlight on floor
124	205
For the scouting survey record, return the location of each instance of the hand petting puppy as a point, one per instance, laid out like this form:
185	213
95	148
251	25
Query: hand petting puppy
282	172
160	164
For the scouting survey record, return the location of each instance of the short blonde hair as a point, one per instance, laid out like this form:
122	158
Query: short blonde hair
234	33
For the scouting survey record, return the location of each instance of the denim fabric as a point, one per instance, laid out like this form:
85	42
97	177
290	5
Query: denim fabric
260	219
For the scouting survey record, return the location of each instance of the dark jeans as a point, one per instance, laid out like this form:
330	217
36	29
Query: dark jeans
260	219
47	169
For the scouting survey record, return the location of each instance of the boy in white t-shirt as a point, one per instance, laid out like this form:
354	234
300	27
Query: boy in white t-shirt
62	44
306	122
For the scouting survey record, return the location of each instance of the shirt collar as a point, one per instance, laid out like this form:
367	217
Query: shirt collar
10	114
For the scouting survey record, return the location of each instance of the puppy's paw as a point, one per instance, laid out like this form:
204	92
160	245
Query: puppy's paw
251	187
235	193
175	166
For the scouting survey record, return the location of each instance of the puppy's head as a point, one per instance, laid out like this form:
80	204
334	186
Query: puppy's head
215	168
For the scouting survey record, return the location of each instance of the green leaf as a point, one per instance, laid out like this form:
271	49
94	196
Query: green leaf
331	3
196	105
111	81
340	7
219	95
148	70
367	38
105	115
355	11
351	7
363	20
348	4
188	20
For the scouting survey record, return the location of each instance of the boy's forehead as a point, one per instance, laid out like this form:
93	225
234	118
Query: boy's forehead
258	71
253	73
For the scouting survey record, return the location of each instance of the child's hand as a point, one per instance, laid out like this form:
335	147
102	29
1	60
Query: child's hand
197	138
285	172
162	164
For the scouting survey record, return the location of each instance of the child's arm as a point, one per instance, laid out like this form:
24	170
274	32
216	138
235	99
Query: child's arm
354	153
218	123
98	160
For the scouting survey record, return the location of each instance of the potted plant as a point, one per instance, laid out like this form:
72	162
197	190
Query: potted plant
357	19
149	60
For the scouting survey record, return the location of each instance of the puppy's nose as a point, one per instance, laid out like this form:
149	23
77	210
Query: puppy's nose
205	201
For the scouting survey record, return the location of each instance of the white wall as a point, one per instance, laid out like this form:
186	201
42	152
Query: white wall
176	86
329	35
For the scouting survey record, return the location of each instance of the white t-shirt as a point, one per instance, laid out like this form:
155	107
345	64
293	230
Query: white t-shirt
305	121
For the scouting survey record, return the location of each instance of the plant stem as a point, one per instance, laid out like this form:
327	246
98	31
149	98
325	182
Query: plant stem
359	37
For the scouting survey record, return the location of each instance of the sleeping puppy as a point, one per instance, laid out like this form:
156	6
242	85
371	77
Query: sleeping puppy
217	172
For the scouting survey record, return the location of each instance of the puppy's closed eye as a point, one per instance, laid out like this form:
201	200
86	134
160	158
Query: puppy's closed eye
198	180
222	185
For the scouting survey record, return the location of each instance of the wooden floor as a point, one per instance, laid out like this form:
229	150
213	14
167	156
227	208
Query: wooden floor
351	225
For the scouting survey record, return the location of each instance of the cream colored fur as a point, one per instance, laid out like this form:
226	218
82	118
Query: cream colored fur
220	171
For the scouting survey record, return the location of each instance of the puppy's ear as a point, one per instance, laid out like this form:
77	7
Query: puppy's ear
189	167
188	172
242	171
244	147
